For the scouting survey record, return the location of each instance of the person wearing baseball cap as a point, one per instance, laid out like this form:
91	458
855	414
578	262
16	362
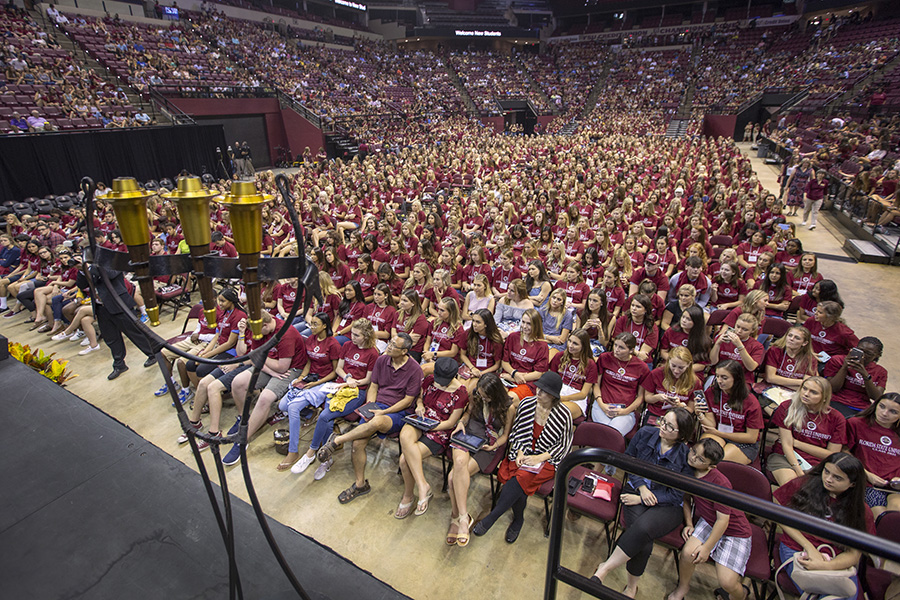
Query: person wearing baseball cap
443	398
650	271
540	437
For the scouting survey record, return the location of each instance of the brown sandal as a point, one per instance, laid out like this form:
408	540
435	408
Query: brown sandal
463	540
453	535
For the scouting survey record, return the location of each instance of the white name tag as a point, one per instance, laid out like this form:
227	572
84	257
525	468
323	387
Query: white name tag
480	363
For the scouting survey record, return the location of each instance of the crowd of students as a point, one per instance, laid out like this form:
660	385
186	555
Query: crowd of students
648	284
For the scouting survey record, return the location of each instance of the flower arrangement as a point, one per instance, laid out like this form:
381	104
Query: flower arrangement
54	370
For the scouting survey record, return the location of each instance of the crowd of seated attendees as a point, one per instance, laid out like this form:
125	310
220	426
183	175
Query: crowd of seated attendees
43	87
489	77
209	7
511	287
568	71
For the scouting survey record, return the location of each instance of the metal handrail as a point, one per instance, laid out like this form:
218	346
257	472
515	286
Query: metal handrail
770	511
178	116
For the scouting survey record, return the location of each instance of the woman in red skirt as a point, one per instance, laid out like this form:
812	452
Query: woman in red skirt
540	437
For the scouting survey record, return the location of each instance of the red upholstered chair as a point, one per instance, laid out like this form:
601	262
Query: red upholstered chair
875	581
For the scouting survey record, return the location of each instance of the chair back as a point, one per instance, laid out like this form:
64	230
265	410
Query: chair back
597	435
717	317
887	525
196	311
746	479
776	327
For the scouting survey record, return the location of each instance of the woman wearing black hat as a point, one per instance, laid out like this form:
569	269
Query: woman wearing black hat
443	398
540	437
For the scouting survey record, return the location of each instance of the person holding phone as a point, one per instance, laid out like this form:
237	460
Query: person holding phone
833	490
443	399
857	379
808	431
489	416
739	344
866	436
672	384
731	414
651	510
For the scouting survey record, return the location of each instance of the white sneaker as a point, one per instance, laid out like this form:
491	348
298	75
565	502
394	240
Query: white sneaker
62	335
302	464
89	349
85	342
323	468
802	223
811	227
77	335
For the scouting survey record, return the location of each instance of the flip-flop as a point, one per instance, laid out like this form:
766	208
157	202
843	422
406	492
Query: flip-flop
403	510
463	540
422	505
452	536
721	594
285	466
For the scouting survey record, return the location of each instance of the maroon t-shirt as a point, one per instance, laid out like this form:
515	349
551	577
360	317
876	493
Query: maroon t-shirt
673	338
738	526
420	327
756	350
321	353
489	353
357	361
645	333
502	277
357	311
383	318
853	394
784	494
835	340
730	292
576	293
785	366
653	383
572	375
395	384
439	405
876	446
819	430
531	357
748	417
614	297
619	380
445	338
291	344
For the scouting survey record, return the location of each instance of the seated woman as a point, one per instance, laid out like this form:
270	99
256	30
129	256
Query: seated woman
309	390
526	355
540	437
382	313
412	320
537	282
689	332
595	320
686	298
509	309
651	510
865	435
443	398
578	370
739	344
619	394
638	321
823	290
447	335
672	384
778	289
808	431
478	298
833	490
790	359
483	351
354	370
557	321
731	414
489	415
830	335
755	303
351	308
857	379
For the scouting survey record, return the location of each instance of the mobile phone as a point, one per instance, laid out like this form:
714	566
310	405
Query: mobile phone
855	354
588	485
784	226
573	485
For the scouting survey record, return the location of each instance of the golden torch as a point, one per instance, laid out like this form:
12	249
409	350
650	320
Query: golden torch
129	202
245	209
192	200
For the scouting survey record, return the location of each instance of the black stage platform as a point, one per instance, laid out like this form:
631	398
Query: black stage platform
89	509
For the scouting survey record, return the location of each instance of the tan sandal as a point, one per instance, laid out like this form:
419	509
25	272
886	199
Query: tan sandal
463	540
453	535
403	510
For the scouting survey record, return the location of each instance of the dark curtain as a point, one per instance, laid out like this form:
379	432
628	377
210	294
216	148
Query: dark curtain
39	165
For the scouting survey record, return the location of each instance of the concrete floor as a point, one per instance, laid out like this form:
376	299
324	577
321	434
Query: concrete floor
411	555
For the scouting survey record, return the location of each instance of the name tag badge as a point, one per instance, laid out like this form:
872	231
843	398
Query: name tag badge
725	428
434	347
375	326
480	363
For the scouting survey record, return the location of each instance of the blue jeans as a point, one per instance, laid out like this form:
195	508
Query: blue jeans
325	422
293	403
301	326
56	305
785	553
342	339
